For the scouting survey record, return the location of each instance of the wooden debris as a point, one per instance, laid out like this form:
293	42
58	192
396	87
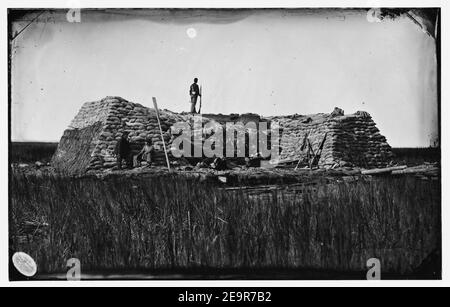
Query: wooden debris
386	170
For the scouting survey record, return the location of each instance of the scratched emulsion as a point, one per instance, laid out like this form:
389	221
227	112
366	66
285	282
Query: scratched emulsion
270	62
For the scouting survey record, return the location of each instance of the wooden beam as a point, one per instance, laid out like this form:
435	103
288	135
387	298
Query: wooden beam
386	170
160	130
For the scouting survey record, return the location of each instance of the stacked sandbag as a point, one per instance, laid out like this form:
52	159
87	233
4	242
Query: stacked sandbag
293	131
197	131
359	142
73	154
116	116
350	140
213	128
90	140
91	113
74	151
140	122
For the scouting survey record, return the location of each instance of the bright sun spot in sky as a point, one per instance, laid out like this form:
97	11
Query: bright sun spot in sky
191	33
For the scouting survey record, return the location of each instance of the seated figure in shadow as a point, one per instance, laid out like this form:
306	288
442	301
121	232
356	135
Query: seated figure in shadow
146	154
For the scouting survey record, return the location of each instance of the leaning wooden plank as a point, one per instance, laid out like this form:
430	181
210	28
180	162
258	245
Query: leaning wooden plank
160	130
383	170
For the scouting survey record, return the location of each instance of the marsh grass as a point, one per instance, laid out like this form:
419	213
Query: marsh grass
170	222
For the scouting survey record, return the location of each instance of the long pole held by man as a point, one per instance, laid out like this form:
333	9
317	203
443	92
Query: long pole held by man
200	94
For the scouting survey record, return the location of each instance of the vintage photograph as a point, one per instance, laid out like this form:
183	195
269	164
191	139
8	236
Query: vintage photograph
224	144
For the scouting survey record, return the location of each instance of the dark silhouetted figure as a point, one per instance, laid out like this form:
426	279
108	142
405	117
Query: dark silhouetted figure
146	154
194	91
123	151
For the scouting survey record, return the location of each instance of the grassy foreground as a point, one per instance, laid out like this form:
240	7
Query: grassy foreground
172	222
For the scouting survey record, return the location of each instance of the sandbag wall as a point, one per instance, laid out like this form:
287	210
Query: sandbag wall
114	115
74	151
140	122
358	141
73	154
90	140
351	140
213	126
294	129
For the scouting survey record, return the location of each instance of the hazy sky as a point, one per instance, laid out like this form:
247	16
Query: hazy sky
265	62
